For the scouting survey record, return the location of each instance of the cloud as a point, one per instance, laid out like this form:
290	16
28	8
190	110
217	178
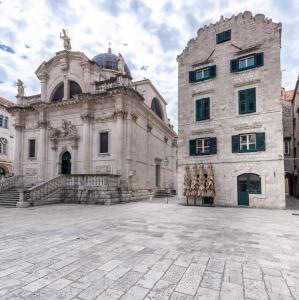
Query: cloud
155	33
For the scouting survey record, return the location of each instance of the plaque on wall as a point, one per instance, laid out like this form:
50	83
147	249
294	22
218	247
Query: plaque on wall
105	169
31	172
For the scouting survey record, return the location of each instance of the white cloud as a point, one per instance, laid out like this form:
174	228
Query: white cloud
155	31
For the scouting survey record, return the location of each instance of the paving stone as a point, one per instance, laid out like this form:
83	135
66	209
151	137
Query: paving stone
125	282
110	265
174	273
216	265
136	293
117	272
255	289
59	284
231	291
252	273
95	289
161	291
36	285
276	286
211	280
149	279
162	265
110	294
206	294
180	296
190	280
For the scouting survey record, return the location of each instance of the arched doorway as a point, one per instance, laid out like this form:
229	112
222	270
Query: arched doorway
248	183
2	172
66	164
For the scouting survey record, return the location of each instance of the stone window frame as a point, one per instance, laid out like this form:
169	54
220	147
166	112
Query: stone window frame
28	149
99	142
247	86
287	142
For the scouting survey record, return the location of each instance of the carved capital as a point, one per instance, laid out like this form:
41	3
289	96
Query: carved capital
87	117
42	124
122	114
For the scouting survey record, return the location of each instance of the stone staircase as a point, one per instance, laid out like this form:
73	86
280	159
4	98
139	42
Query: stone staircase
9	198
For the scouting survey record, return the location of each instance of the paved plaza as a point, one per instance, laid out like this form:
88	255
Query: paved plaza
148	251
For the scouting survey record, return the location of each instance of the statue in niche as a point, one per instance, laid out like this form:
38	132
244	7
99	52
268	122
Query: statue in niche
21	90
66	40
121	64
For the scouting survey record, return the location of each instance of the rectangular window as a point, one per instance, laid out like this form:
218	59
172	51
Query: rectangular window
6	122
247	101
202	74
1	121
248	142
287	146
203	146
104	142
31	148
247	62
202	109
223	36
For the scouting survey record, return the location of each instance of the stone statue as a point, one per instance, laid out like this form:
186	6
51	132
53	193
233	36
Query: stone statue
121	64
21	90
210	186
69	130
53	132
66	40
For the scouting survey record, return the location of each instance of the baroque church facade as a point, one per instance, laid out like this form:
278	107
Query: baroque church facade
91	118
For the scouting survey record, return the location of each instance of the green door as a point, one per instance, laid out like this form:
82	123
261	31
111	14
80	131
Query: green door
243	190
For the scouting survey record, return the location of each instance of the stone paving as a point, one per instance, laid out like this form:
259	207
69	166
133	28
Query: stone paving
148	251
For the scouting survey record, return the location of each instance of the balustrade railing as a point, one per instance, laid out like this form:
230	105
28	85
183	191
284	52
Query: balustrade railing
7	183
44	189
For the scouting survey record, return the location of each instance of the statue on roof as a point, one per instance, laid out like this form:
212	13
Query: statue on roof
21	90
121	64
66	40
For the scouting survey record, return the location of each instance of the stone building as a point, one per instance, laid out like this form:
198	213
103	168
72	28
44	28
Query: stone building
92	119
288	140
230	112
296	138
6	138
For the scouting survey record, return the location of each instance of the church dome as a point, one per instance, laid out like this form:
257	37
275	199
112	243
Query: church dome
109	61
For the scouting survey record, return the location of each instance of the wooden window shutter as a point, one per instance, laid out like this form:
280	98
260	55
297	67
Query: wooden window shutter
227	35
212	71
191	76
251	100
235	143
192	147
219	38
213	145
199	110
234	63
260	141
259	59
242	102
206	109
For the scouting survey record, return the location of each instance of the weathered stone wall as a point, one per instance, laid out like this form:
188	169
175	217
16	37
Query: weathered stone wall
248	35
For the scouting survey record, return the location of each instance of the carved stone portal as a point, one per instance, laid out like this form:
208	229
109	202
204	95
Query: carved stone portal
67	130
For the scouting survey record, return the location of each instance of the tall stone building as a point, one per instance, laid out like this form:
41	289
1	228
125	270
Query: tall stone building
288	139
230	112
92	119
6	139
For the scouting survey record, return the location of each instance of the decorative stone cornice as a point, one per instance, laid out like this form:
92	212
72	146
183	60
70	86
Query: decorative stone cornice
255	125
87	116
122	114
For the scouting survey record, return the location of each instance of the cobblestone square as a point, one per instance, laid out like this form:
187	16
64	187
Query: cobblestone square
148	251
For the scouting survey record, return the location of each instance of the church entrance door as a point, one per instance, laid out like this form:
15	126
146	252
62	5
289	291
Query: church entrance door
66	165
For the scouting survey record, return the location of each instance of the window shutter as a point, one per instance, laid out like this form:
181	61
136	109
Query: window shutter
227	35
191	76
199	110
192	147
235	143
212	71
260	141
259	59
234	65
251	100
242	102
206	108
213	145
219	37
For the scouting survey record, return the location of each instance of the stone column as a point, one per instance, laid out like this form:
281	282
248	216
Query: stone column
43	82
42	150
87	118
75	156
18	150
54	148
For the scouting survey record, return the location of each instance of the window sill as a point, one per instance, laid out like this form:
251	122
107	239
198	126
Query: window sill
32	158
201	80
248	114
104	154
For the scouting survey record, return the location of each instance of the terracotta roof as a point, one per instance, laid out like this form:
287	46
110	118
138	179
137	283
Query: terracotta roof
288	95
6	102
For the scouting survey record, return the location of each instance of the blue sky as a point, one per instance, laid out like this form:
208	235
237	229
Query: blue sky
147	33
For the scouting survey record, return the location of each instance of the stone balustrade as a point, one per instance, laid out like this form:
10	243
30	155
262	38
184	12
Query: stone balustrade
10	182
39	193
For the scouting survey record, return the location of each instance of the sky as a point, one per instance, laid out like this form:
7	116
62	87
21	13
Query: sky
149	34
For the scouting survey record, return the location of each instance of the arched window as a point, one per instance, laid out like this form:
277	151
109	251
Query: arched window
59	93
156	108
74	89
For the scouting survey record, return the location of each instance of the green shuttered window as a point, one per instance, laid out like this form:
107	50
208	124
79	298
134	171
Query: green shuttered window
202	109
202	74
249	142
248	62
223	36
247	101
203	146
